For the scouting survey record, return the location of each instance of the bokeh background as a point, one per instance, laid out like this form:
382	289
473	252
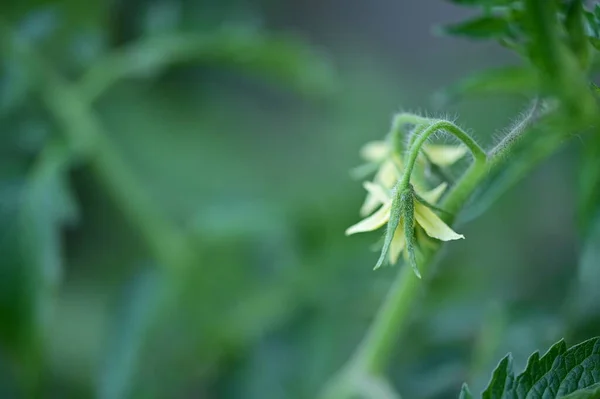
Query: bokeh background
174	189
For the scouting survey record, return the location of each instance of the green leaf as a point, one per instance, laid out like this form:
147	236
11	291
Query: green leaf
135	316
393	223
595	42
576	28
560	70
283	59
479	28
592	392
502	380
560	372
465	393
506	80
587	296
484	2
33	210
589	183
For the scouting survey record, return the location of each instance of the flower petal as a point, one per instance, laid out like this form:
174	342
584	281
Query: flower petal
376	195
397	245
444	155
377	191
433	225
371	203
432	196
375	151
387	174
373	222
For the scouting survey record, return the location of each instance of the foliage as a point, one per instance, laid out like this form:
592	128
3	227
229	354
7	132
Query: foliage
173	196
571	373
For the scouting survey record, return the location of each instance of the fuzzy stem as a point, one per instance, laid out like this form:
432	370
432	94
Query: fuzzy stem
373	354
479	155
398	123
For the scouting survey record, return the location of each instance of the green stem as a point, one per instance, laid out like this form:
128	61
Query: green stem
87	138
478	153
398	123
373	354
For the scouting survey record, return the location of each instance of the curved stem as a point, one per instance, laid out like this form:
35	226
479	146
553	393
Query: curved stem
479	155
401	119
374	352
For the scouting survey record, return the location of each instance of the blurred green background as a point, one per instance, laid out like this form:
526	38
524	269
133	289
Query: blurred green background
174	189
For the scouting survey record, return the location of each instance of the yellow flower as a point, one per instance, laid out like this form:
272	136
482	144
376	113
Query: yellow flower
390	165
424	217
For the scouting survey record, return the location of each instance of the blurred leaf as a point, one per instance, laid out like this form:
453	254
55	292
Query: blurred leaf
162	16
576	29
506	80
587	294
49	204
134	317
39	24
559	69
479	28
286	60
523	159
557	373
465	393
14	85
589	184
32	214
595	42
484	2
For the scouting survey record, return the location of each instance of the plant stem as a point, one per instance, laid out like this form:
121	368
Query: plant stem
396	132
373	354
478	153
87	138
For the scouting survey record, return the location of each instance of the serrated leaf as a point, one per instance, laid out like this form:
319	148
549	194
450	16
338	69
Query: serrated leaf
465	393
537	367
502	379
506	80
560	372
479	28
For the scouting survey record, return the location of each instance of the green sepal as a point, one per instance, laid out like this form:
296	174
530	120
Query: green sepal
408	212
430	205
392	225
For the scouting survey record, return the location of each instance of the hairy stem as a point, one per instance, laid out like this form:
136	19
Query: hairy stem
478	153
373	354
